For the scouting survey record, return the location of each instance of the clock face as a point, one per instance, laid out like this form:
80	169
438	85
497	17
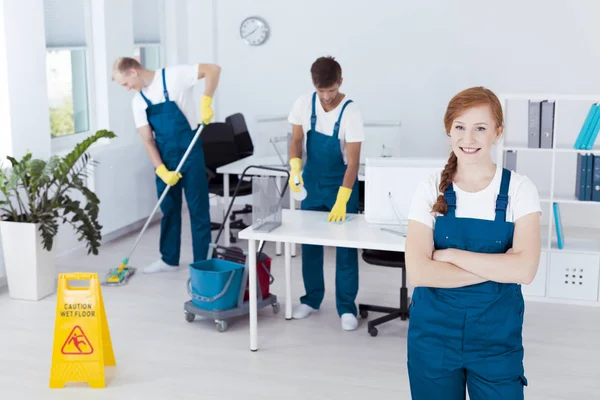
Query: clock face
254	31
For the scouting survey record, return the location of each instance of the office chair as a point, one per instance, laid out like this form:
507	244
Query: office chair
392	259
220	149
361	197
245	148
243	140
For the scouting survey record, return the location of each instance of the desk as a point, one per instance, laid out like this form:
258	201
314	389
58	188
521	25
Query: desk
238	167
311	227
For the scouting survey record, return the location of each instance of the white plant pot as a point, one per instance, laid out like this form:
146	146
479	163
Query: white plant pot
30	269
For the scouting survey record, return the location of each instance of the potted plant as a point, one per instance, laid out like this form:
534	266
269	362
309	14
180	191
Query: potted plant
35	196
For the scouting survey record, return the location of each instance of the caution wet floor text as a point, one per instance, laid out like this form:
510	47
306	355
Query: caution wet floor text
82	344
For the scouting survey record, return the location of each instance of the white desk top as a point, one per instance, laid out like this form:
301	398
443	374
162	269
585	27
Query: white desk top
238	167
311	227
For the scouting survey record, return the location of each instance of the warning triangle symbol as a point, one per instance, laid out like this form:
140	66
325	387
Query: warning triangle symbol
77	343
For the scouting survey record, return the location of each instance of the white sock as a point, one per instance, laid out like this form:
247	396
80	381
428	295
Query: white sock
302	311
349	322
160	266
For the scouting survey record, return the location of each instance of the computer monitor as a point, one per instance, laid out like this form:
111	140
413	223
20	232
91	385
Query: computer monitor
390	184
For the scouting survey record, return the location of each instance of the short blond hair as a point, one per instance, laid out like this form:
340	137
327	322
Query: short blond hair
124	64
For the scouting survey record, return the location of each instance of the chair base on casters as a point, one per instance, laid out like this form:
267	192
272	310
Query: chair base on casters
392	313
246	210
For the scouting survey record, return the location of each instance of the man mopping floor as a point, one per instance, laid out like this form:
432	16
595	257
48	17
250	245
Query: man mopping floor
164	114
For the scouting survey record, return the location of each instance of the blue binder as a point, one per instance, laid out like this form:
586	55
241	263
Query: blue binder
596	179
579	177
588	176
588	120
593	134
558	224
590	128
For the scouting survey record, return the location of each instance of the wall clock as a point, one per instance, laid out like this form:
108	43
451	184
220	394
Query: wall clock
254	31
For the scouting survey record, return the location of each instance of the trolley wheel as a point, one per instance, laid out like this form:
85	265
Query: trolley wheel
221	325
189	317
364	314
373	331
276	308
232	217
233	239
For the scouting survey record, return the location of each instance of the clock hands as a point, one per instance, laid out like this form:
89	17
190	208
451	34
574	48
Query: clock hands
250	33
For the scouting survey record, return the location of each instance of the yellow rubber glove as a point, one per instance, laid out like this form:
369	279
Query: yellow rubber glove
206	110
296	174
338	212
169	177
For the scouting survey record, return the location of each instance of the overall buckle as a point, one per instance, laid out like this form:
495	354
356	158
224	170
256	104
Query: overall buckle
501	202
450	199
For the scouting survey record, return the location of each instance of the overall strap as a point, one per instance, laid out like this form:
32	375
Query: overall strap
313	114
165	86
336	127
145	99
502	199
450	197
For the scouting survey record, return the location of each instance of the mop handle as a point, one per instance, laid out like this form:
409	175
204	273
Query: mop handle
164	193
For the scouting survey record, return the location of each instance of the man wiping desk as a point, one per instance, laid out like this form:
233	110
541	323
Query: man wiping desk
334	132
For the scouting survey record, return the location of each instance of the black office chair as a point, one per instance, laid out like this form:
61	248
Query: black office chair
392	259
220	149
243	140
361	197
245	148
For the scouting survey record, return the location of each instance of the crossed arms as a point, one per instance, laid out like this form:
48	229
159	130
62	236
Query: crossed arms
452	268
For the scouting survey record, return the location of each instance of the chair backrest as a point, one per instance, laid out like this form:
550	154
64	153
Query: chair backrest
219	145
243	139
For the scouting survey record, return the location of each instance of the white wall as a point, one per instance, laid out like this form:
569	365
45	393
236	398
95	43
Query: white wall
402	59
176	32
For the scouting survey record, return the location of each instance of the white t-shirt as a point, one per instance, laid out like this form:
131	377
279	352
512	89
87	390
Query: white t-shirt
523	199
351	127
180	85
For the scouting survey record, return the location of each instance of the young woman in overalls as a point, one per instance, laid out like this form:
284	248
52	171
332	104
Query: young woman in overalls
473	239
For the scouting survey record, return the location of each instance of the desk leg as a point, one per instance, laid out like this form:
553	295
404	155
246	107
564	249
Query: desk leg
252	294
226	200
293	207
279	188
288	281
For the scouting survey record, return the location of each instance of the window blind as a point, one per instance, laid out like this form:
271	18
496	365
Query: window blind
147	21
65	23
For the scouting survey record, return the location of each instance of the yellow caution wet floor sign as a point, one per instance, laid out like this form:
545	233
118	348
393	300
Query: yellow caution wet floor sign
82	345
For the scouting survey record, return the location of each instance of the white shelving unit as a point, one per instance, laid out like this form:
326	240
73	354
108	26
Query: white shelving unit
570	275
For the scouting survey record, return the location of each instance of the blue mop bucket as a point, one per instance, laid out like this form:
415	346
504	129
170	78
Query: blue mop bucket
214	284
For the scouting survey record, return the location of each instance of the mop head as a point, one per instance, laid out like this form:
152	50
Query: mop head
119	276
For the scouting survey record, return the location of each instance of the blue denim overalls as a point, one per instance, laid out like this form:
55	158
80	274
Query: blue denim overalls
323	175
173	135
469	335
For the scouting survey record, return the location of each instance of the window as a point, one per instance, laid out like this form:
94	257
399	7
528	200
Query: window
67	70
148	24
148	55
66	76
